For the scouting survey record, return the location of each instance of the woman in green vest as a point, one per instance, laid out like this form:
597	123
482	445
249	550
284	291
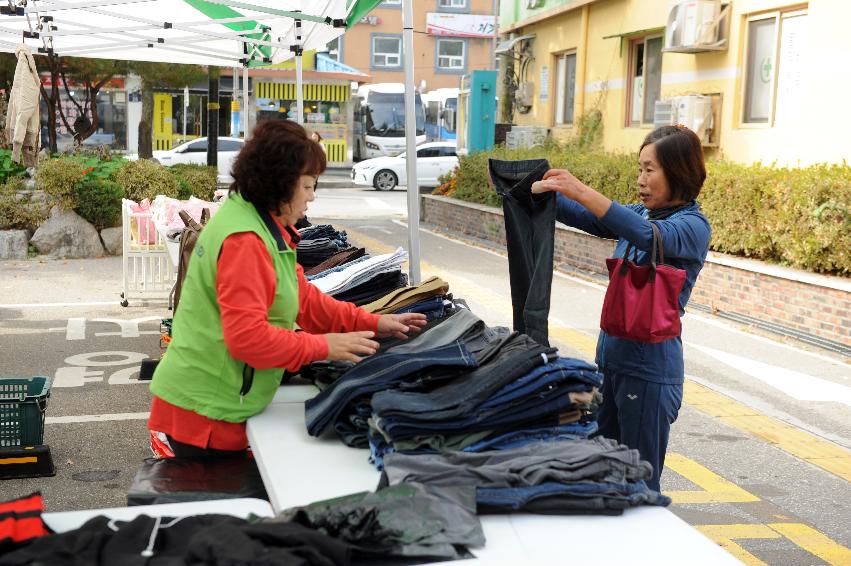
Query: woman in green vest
242	298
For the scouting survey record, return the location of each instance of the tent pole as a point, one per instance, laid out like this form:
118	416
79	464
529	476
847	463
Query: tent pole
299	79
411	144
245	126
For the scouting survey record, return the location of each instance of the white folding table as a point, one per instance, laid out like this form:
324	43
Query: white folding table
298	469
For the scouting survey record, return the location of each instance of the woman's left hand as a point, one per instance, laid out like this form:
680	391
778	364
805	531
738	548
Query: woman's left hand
398	325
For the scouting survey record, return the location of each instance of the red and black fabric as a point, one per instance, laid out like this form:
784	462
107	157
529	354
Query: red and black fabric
20	521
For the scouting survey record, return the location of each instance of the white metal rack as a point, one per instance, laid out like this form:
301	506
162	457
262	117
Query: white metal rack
149	272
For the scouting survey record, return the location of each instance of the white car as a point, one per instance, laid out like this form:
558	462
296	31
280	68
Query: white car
385	173
195	151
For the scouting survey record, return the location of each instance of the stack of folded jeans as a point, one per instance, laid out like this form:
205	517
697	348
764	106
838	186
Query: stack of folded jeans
596	476
344	404
378	285
507	404
319	243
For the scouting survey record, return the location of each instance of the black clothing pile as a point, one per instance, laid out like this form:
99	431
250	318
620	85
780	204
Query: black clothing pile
410	522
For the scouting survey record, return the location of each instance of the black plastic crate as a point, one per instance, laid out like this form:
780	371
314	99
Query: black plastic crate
23	402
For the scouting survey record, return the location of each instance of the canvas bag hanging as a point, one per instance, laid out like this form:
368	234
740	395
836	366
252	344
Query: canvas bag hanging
642	301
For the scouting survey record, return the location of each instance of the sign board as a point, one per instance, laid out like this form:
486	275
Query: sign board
460	25
545	84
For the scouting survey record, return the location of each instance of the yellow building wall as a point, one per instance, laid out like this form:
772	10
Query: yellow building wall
818	132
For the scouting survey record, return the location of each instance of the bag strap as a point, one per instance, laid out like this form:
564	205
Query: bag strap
657	253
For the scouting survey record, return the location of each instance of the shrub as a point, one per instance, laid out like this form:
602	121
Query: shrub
59	179
8	168
100	168
145	179
798	217
17	212
196	180
99	202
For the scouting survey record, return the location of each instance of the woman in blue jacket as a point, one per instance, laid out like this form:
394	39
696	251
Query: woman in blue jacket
643	386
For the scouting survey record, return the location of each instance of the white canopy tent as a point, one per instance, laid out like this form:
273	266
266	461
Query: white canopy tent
222	33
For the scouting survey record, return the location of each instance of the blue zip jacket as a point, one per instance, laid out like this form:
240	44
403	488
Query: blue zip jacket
685	240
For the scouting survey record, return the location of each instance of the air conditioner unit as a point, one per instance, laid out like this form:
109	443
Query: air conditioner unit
693	111
694	25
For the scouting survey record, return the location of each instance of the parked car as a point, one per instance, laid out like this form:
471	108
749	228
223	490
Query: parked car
385	173
195	151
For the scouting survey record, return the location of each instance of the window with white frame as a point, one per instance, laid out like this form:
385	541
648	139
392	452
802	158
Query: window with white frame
774	65
645	79
452	4
450	54
392	3
386	51
565	88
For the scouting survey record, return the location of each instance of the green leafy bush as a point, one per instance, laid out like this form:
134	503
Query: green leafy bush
100	168
9	168
146	179
16	210
59	179
797	217
195	180
99	202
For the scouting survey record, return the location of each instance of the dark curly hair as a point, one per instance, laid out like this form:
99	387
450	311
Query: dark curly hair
680	154
267	169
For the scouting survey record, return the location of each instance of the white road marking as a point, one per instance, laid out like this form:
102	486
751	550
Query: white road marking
97	418
795	384
87	359
377	203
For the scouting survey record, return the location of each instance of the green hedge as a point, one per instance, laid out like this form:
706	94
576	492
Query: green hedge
195	180
16	209
797	217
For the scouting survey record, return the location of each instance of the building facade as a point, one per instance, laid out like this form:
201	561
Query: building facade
771	76
451	38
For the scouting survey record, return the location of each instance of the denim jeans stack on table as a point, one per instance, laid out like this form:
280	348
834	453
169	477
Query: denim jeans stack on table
318	243
564	477
513	403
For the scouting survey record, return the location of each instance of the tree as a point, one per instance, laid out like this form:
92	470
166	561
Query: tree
53	64
164	75
92	75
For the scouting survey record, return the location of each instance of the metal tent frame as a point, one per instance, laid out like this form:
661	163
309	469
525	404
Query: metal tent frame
223	33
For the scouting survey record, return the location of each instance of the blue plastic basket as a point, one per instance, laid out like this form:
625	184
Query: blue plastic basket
23	402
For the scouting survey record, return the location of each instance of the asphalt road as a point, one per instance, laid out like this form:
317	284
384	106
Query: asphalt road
758	463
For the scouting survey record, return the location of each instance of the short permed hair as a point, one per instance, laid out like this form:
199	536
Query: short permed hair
680	154
267	169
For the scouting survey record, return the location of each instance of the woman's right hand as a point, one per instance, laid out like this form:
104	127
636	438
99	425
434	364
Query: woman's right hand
350	346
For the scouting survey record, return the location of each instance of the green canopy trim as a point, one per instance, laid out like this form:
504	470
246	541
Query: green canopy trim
357	9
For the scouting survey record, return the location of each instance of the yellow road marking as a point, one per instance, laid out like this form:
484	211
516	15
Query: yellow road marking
724	535
22	460
789	439
801	535
715	488
814	542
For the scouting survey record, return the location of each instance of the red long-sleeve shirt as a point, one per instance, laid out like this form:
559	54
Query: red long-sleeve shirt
244	303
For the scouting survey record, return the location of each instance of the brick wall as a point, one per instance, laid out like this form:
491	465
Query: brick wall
795	301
